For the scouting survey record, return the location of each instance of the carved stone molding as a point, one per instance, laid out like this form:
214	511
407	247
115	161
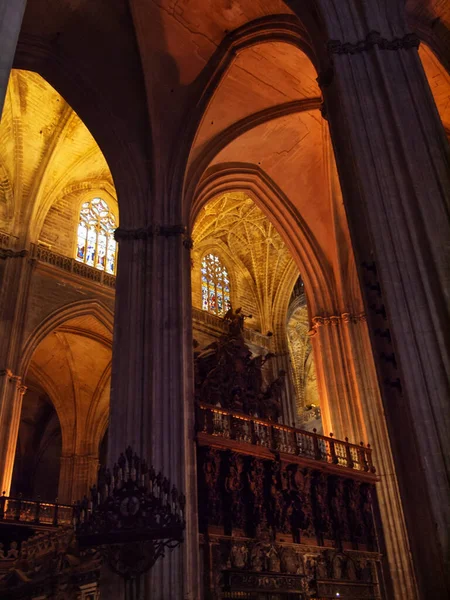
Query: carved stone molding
241	566
347	317
8	253
373	38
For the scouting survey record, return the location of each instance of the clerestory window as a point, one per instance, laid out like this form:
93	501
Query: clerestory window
215	286
96	245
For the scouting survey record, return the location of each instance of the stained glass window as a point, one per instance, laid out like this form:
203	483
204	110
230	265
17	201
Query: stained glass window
215	285
96	245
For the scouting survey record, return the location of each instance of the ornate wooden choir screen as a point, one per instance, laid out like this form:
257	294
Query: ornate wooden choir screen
283	513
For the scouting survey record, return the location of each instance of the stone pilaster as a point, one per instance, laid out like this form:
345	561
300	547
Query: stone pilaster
392	157
11	15
281	362
152	382
11	395
78	472
15	272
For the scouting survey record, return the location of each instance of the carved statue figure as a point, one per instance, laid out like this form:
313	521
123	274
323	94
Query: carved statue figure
365	570
273	560
239	553
367	514
289	562
13	552
211	471
234	485
255	477
351	570
236	321
310	566
276	498
322	567
257	558
300	486
320	506
338	567
273	396
354	509
338	504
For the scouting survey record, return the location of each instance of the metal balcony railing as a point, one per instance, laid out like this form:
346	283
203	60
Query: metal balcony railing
238	427
35	512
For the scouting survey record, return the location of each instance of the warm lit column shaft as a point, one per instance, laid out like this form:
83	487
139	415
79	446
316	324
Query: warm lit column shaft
15	272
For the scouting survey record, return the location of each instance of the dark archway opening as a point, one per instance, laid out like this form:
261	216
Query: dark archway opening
39	447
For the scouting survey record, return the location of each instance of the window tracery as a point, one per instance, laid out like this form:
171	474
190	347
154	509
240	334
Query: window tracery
215	285
96	245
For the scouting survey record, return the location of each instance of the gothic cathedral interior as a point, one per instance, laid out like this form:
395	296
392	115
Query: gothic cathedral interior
224	299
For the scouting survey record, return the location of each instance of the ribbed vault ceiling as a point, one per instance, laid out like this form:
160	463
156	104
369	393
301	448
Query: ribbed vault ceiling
45	150
234	220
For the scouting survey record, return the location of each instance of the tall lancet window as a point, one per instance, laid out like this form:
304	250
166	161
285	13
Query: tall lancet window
96	245
215	285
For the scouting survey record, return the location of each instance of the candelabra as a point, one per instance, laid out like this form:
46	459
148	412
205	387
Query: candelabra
132	517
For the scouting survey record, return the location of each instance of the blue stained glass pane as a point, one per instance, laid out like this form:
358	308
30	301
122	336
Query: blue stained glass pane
95	240
204	298
81	249
215	285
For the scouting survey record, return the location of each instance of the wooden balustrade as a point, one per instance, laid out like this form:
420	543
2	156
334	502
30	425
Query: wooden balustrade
276	437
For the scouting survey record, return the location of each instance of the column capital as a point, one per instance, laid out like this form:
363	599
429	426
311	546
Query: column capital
8	253
372	40
149	232
8	373
346	317
152	231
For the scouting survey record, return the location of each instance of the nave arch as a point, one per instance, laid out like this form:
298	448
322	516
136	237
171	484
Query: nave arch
309	215
68	357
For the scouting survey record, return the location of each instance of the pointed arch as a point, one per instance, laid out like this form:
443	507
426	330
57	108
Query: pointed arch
285	28
310	260
57	319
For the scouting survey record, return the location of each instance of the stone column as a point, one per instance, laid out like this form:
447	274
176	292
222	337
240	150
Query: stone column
392	158
15	272
281	362
152	382
354	409
11	15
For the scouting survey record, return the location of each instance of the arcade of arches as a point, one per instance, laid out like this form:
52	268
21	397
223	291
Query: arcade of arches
232	180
